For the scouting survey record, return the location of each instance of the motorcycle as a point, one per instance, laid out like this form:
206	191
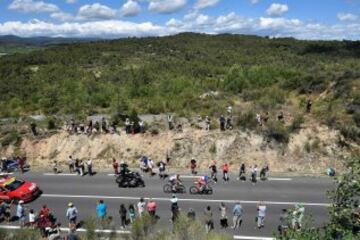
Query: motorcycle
130	179
196	190
178	189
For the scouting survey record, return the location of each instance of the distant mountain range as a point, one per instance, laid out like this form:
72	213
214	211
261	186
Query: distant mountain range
40	41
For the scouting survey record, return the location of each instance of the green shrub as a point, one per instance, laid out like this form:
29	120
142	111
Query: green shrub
212	149
356	118
278	132
247	120
296	123
350	132
51	123
10	138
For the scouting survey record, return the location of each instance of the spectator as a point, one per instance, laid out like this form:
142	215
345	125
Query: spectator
237	215
97	127
142	126
141	206
254	174
71	215
31	218
258	119
193	166
123	213
44	211
208	123
308	105
209	222
226	172
284	223
115	166
151	207
229	125
77	165
150	165
242	172
7	213
21	163
162	169
33	129
132	213
174	208
101	210
20	213
170	121
127	125
81	167
223	216
71	164
191	214
261	209
89	167
222	123
132	128
90	127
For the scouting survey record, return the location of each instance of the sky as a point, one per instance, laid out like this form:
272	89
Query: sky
108	19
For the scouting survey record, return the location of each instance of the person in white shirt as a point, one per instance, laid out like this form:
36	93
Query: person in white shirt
89	167
141	206
31	217
261	208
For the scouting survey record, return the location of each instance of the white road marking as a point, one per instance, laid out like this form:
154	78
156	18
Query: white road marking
253	238
270	179
60	174
10	227
181	199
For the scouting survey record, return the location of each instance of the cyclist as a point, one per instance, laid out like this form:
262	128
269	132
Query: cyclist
175	182
202	182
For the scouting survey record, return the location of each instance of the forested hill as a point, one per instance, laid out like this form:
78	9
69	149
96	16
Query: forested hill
171	74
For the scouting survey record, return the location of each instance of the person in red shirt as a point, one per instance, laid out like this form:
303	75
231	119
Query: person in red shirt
44	212
151	207
226	172
115	165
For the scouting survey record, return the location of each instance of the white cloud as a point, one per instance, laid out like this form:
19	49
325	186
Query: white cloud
71	1
200	4
347	17
254	1
173	23
28	6
130	8
96	11
62	16
277	9
100	29
166	6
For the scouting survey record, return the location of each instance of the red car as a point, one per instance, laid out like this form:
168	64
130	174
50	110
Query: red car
15	189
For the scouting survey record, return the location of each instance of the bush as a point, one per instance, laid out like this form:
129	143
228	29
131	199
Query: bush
278	132
11	138
247	120
212	149
51	123
296	123
350	132
356	118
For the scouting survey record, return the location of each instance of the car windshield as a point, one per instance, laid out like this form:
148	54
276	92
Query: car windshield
14	185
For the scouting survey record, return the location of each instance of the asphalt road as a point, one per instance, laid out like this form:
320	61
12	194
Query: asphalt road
277	194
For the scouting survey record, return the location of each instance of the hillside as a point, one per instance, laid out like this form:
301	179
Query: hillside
189	75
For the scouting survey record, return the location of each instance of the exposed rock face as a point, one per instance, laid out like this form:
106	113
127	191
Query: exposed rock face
311	150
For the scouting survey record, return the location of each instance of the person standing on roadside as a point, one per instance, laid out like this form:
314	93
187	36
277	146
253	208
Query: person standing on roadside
141	207
209	222
71	215
132	213
193	166
89	166
261	209
151	207
223	216
237	215
226	172
101	210
115	166
71	163
122	213
254	174
20	213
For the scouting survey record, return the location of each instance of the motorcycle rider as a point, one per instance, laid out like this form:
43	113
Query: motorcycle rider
175	182
124	168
